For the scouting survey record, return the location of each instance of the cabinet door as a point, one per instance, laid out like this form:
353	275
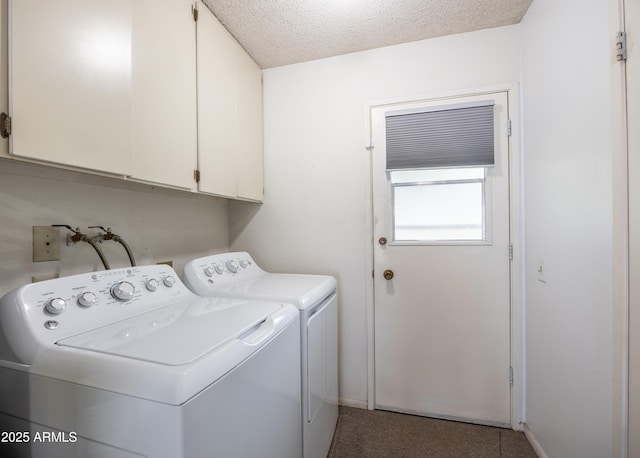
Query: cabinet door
71	82
164	92
250	166
217	126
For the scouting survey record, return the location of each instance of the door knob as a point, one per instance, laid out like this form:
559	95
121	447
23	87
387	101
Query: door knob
382	240
388	274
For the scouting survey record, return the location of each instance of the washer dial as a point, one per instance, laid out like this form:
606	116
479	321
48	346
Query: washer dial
87	299
152	284
56	306
232	266
123	291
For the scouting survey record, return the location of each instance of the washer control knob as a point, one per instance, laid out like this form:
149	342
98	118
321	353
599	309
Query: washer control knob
87	299
169	281
232	266
152	284
208	271
219	269
244	263
55	306
123	291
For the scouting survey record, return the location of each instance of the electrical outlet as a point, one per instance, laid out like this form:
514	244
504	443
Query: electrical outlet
46	243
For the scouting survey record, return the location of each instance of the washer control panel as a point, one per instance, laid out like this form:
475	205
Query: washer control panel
62	307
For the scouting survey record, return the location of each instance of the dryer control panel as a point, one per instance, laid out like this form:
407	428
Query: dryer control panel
220	270
40	314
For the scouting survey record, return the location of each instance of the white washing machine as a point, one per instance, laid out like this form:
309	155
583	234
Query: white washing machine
237	275
130	363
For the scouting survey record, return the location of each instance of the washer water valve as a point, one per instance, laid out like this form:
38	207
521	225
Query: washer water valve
80	237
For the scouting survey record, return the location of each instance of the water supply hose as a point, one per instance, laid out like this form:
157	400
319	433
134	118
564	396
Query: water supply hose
118	239
95	246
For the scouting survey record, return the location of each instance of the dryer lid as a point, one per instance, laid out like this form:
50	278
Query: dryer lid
301	290
178	334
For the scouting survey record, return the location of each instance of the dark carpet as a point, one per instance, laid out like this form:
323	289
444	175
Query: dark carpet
376	433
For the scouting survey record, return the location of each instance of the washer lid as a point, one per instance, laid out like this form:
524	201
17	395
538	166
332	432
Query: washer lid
178	334
301	290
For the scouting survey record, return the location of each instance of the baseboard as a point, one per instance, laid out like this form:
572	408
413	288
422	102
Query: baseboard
353	403
534	443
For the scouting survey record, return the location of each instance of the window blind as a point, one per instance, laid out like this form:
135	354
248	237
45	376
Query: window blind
446	136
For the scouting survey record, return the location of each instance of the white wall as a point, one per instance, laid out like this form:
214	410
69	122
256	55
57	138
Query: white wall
632	16
567	139
315	215
158	225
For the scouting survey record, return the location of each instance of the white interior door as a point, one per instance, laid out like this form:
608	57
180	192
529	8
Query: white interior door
442	323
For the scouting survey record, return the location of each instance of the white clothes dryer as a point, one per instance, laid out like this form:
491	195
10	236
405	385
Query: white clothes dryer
129	362
238	275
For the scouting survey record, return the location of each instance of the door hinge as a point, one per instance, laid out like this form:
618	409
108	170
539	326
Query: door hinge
510	375
621	46
196	175
194	11
511	252
508	128
5	125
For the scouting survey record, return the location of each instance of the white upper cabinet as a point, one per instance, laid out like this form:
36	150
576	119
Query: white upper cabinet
217	127
139	89
71	83
230	145
164	92
250	162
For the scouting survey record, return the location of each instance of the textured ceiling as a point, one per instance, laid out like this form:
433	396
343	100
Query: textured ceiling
282	32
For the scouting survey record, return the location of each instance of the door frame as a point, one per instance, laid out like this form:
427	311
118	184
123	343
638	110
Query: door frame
626	222
515	233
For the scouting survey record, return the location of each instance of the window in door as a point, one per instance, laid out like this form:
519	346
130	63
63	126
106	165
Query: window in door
437	161
439	205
